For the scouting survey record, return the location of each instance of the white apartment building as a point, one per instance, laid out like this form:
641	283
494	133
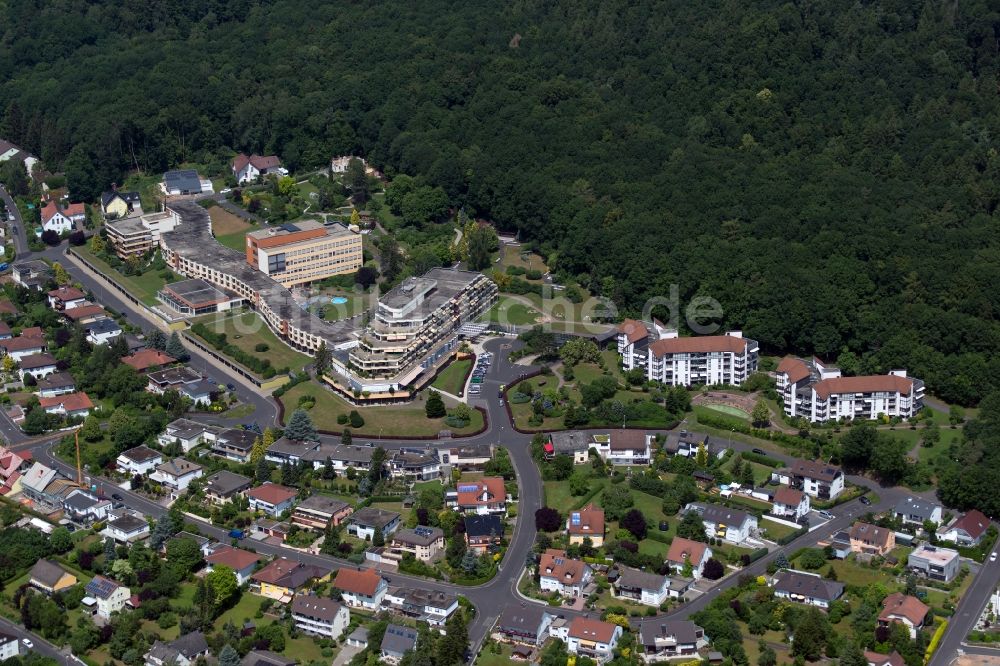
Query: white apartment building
701	360
817	392
320	616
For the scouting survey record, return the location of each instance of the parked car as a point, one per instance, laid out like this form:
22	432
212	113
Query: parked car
117	497
237	534
759	452
864	500
27	643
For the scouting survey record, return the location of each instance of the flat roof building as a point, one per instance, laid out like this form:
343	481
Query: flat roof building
197	297
304	252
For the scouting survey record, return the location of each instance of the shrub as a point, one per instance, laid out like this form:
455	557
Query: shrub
261	347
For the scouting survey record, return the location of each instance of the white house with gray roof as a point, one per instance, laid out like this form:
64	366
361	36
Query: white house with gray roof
721	522
916	510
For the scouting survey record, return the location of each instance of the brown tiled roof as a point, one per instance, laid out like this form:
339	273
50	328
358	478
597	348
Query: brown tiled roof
814	469
272	493
633	330
71	402
974	523
681	548
869	384
358	581
83	311
234	558
591	521
902	605
493	485
22	343
878	659
699	344
628	440
67	294
35	361
148	358
794	367
587	629
555	564
872	534
787	496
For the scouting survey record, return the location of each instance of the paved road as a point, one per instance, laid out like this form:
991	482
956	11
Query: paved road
969	609
63	656
14	217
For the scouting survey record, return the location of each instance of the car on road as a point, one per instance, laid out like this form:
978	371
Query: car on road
117	497
231	386
27	643
226	191
759	452
825	514
993	557
864	500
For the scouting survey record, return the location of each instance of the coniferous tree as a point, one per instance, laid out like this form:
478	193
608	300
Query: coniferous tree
300	427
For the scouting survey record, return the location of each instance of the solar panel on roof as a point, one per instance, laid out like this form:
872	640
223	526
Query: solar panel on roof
575	518
468	489
291	228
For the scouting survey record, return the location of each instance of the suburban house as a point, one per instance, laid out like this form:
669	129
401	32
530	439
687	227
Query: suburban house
790	503
234	444
816	479
570	443
684	552
482	496
396	642
361	588
37	365
10	471
527	624
317	512
271	498
10	645
34	274
434	608
224	485
242	562
592	638
102	331
49	577
68	405
806	588
483	533
84	314
145	360
320	616
467	457
415	465
640	586
84	507
625	447
879	659
280	578
177	474
363	523
66	298
869	539
424	543
248	168
187	433
184	181
59	220
184	380
967	530
138	460
58	383
127	528
267	658
661	639
587	523
934	562
721	522
182	651
115	204
907	610
24	345
109	596
917	511
564	575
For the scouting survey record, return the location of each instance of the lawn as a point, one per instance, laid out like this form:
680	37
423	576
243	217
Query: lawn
144	287
850	572
355	304
775	530
557	493
510	311
500	658
729	411
387	421
452	378
244	610
247	330
655	548
518	256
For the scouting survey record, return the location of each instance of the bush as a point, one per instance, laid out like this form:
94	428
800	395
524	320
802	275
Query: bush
356	419
342	419
261	347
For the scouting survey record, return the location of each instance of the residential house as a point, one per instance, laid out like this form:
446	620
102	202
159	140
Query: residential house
816	479
483	533
934	562
415	465
527	624
587	523
182	651
247	168
187	433
721	522
319	616
109	596
967	530
234	444
280	578
806	588
424	543
66	298
572	443
56	384
592	638
661	639
37	365
317	512
917	511
84	314
54	219
396	642
685	552
177	474
702	360
102	331
49	577
36	480
361	588
271	498
790	503
363	523
878	659
138	460
32	275
70	405
242	562
292	451
904	609
182	379
467	457
145	360
641	587
84	507
266	658
10	646
10	471
115	204
224	485
24	345
127	528
269	530
626	447
561	574
184	182
434	608
869	539
482	496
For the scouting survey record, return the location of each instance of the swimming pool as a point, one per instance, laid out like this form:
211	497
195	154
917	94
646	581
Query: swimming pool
338	300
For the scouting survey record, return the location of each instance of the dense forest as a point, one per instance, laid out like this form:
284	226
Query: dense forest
826	170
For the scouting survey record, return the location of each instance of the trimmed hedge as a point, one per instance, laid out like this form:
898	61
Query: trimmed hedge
763	460
262	367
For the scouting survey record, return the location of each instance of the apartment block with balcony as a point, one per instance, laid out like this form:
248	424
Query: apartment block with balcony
135	236
304	252
818	392
703	360
417	324
814	478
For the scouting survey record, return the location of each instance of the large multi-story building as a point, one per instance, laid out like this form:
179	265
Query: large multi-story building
135	236
417	323
818	392
700	360
304	252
